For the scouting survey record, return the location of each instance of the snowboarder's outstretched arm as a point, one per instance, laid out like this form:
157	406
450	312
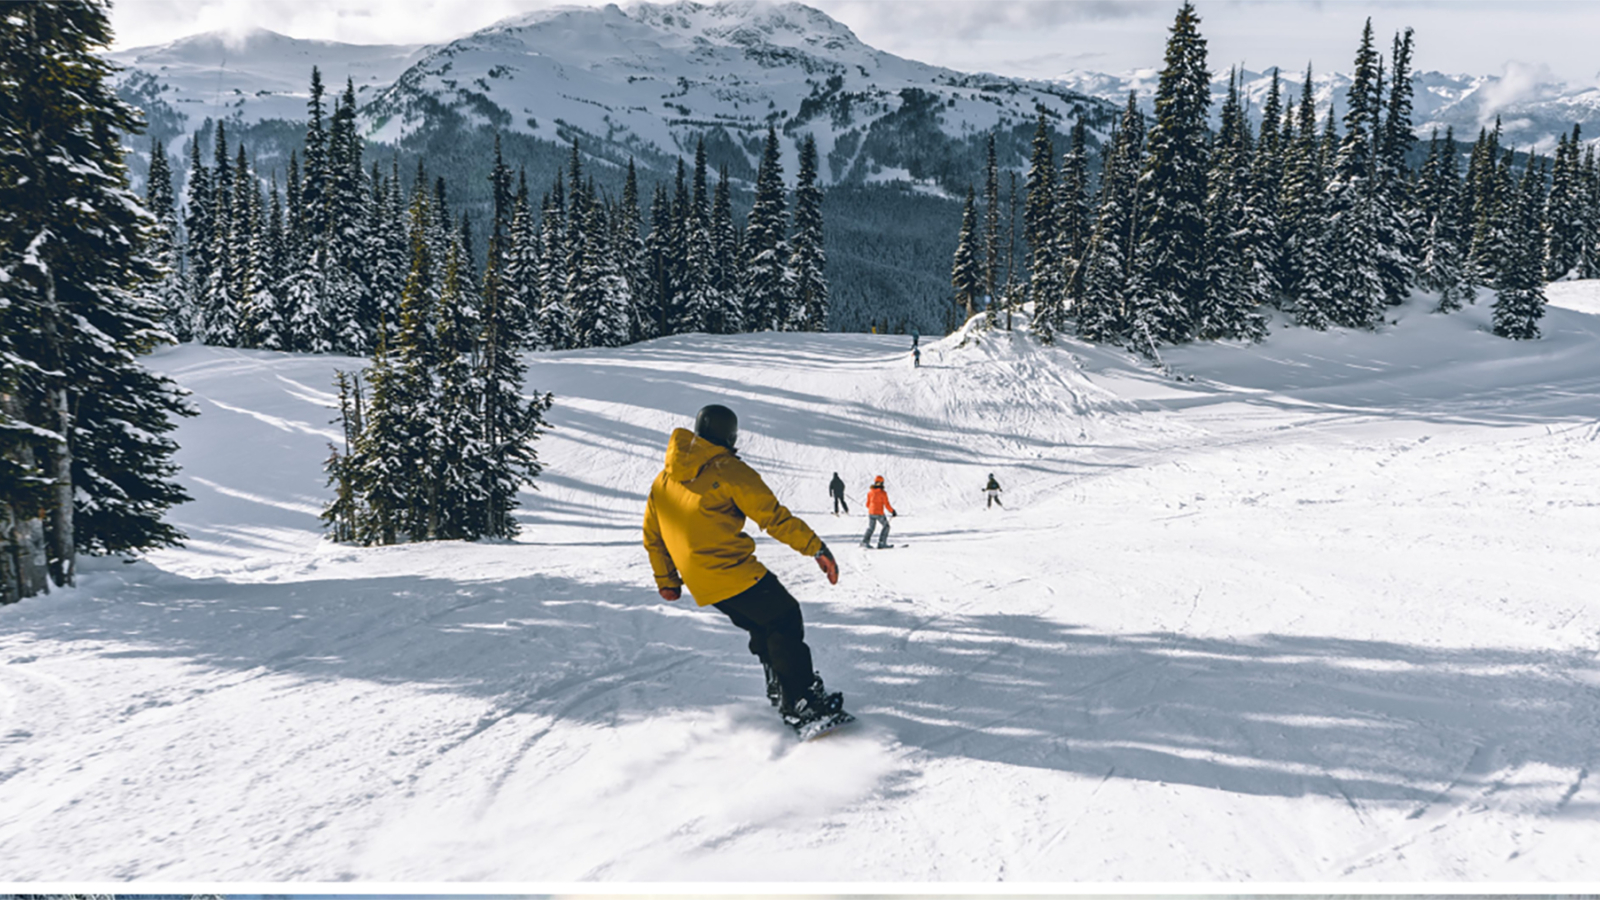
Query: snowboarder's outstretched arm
757	501
668	582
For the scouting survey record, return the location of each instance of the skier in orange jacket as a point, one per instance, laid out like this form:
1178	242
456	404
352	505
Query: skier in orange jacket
877	502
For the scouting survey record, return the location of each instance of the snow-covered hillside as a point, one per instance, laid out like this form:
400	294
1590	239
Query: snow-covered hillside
1314	610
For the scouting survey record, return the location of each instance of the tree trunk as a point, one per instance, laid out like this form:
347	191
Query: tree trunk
63	546
23	570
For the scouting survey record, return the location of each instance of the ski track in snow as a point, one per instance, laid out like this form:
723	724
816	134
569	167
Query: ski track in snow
1314	610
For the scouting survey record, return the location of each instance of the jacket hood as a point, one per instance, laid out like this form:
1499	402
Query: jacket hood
688	453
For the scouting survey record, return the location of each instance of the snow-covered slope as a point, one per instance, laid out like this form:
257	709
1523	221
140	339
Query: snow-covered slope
1315	610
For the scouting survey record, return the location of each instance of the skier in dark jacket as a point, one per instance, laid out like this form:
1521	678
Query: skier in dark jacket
836	490
693	531
993	488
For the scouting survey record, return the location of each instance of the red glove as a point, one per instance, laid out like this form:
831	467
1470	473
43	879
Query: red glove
829	566
670	593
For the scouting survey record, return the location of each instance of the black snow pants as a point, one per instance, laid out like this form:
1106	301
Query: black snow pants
777	632
838	503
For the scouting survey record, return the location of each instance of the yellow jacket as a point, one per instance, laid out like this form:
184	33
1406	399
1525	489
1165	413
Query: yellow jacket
694	520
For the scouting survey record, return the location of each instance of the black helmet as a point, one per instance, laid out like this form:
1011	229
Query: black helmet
718	425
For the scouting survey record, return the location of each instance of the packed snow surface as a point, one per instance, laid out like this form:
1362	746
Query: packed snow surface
1319	609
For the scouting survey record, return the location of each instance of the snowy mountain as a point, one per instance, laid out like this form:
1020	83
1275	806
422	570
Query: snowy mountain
1534	112
1320	610
651	79
647	81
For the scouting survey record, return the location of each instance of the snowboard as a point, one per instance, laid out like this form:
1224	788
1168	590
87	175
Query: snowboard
828	724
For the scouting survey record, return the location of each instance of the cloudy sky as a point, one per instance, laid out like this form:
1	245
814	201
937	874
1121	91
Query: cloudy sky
1029	38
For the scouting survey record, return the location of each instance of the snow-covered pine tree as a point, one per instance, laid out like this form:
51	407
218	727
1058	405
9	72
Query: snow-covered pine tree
1486	193
519	298
699	300
724	259
1519	294
1261	236
1227	309
1438	198
381	266
966	269
608	306
350	307
468	311
553	321
633	257
1074	223
1101	311
269	310
1395	228
197	226
1168	283
1589	237
1307	275
502	455
343	513
655	314
218	310
768	280
991	225
1564	210
388	462
1354	242
807	258
87	423
315	172
167	293
457	458
680	280
242	246
578	291
1039	230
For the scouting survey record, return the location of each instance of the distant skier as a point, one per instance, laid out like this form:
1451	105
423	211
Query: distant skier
836	491
877	502
916	357
993	489
693	523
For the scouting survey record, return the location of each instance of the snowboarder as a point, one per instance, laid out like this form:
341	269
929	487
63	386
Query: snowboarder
836	491
877	502
916	357
693	531
993	489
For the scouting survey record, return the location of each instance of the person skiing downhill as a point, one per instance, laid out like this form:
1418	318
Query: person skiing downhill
877	502
836	491
693	532
993	489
